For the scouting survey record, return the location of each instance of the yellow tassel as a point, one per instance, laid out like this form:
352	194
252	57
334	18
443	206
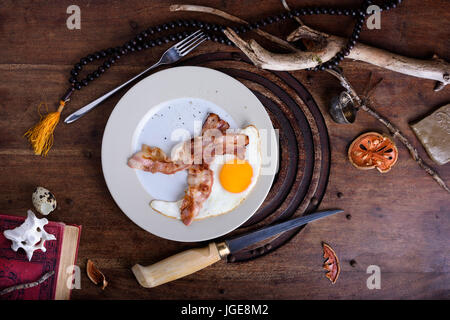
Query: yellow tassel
41	135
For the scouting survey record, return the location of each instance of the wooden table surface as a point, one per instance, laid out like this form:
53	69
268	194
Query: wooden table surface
398	221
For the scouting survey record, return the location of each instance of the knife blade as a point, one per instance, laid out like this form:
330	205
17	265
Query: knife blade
193	260
241	242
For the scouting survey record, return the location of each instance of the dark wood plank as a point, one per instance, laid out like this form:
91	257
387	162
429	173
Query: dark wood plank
399	221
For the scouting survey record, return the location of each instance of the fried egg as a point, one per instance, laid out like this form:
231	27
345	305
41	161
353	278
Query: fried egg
233	181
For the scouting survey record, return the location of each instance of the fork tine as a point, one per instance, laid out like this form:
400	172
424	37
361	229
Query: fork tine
182	42
195	45
191	47
190	42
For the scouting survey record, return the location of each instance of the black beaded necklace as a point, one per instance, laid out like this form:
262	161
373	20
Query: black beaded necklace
141	41
41	135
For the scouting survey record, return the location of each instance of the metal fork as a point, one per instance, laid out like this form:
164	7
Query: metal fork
172	55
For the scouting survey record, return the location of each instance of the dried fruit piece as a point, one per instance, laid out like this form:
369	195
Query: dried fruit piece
331	263
95	275
373	150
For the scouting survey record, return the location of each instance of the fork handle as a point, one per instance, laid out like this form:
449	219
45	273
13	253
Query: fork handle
81	112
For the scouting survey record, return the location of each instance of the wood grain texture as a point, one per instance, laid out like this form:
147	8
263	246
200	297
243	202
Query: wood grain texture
399	221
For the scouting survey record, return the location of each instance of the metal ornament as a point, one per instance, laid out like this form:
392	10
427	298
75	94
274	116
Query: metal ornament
342	109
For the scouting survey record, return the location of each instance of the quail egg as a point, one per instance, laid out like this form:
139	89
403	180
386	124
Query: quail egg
43	200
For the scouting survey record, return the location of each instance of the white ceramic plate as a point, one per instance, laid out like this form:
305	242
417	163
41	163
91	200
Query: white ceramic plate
159	110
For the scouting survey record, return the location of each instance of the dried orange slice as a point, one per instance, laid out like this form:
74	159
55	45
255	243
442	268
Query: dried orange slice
331	263
373	150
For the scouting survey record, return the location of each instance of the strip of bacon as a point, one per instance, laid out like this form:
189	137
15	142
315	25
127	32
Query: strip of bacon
231	143
205	148
214	141
153	159
213	121
200	180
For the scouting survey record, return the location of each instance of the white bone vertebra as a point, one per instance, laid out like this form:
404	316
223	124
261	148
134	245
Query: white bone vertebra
30	235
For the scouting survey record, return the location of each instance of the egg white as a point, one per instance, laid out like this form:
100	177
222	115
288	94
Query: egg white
221	201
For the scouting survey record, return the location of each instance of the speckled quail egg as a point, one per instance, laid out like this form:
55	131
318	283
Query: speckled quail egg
43	200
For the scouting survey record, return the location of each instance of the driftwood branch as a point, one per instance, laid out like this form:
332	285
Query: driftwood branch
282	43
322	47
364	104
27	285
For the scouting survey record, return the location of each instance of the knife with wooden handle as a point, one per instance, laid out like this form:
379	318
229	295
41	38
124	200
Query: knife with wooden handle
193	260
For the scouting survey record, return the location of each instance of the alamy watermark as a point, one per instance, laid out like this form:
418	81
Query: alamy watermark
374	280
74	279
74	20
374	20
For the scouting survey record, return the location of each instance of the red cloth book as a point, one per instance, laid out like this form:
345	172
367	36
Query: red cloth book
60	255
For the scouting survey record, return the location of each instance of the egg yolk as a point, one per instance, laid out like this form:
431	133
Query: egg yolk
236	175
